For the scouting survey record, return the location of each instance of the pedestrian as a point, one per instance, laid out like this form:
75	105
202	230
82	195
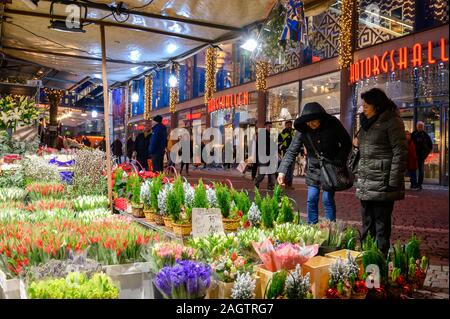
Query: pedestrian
187	144
424	146
158	144
382	164
412	161
260	176
284	141
130	147
86	141
141	146
117	151
102	145
317	130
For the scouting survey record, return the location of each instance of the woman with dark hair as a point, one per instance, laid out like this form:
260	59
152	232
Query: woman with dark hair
382	164
324	133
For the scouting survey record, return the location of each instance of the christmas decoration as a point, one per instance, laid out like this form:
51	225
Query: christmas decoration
174	90
298	286
244	287
254	215
148	89
129	111
295	28
210	74
262	71
346	24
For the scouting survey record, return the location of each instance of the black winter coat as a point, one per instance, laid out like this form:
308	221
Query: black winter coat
331	140
141	147
383	158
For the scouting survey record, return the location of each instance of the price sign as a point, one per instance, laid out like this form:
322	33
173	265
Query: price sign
206	222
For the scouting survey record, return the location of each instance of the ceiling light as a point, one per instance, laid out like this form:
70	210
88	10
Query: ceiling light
135	55
328	97
175	28
173	81
250	45
171	48
134	97
94	113
83	113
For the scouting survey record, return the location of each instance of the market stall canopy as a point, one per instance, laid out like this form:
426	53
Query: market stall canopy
143	35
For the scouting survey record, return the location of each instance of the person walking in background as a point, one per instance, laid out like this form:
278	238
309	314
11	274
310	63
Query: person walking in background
324	133
284	141
158	144
86	141
117	151
424	146
141	146
412	161
130	147
190	147
382	164
260	177
102	145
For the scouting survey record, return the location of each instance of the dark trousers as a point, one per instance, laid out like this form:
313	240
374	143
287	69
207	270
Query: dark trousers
143	162
187	167
289	178
254	171
376	220
260	177
421	171
158	162
413	178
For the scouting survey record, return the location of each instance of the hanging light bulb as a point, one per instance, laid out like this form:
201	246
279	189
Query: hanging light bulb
250	45
135	97
94	113
173	81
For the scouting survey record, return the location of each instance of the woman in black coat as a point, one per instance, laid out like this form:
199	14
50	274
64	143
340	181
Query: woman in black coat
316	127
382	164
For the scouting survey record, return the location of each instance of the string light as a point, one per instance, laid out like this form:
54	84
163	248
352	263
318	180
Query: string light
262	72
130	92
174	90
210	74
346	24
148	89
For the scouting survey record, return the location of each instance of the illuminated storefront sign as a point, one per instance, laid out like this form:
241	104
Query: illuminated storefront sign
399	59
228	101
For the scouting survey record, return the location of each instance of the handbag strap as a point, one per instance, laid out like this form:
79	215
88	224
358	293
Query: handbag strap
313	147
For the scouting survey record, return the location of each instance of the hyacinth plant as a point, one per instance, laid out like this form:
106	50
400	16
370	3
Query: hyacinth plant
254	215
146	197
184	280
244	287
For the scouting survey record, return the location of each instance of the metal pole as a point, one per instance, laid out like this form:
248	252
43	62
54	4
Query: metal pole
106	116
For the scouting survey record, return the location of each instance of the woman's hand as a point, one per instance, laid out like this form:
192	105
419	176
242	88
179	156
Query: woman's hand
280	179
355	142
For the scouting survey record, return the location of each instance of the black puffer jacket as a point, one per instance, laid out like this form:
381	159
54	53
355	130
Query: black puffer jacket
383	157
331	140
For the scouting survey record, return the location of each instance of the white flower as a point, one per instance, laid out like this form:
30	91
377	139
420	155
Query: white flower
162	198
189	193
244	286
211	196
254	215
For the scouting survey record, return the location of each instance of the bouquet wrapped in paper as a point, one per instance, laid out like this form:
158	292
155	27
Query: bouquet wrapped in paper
284	256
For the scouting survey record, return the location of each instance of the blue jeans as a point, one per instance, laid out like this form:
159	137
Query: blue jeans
312	205
413	177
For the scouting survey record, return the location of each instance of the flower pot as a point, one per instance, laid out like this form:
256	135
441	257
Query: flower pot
167	221
230	225
138	211
149	215
9	288
158	219
182	229
323	250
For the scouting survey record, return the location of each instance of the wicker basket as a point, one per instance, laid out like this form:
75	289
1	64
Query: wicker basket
182	229
158	219
138	212
230	225
149	215
167	221
358	295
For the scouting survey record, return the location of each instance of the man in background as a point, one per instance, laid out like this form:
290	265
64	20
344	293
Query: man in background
424	146
284	140
141	145
158	144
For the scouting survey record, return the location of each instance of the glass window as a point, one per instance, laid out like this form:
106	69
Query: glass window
325	90
283	103
161	88
199	74
137	106
245	68
224	71
186	79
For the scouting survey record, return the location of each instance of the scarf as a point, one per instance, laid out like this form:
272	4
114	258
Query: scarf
367	123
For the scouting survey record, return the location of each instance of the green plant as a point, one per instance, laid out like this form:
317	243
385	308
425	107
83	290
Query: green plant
242	201
155	189
267	215
12	194
276	287
174	205
399	257
200	197
90	202
373	256
11	179
119	182
258	199
136	191
286	214
15	111
178	188
74	286
350	238
89	168
223	199
298	286
37	169
412	248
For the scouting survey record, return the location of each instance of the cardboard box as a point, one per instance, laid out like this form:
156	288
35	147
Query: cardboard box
264	279
319	269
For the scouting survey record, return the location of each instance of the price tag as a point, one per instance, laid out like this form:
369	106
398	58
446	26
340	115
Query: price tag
206	222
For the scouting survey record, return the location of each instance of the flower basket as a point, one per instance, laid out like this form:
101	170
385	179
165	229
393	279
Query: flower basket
182	229
138	211
230	225
149	215
158	219
167	221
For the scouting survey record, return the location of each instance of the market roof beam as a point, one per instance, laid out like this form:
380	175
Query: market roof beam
108	24
106	7
29	50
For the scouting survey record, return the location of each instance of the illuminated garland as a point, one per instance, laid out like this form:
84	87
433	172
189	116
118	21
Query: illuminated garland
210	74
54	98
262	72
174	91
148	85
130	92
346	24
